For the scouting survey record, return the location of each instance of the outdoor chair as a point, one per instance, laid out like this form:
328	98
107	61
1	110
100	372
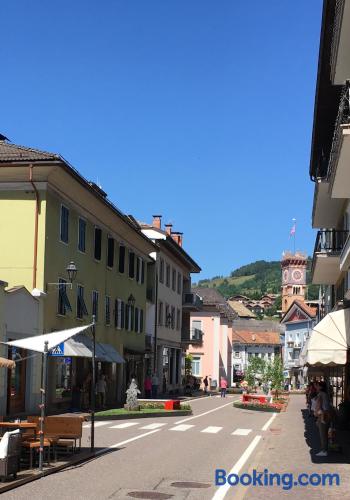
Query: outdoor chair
9	465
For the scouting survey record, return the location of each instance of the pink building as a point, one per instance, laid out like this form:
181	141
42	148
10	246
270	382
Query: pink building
211	331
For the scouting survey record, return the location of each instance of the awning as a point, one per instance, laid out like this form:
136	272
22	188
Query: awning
81	346
329	340
37	343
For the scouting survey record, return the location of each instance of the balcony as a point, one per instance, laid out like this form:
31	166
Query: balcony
326	210
340	56
338	168
194	336
192	302
326	258
150	294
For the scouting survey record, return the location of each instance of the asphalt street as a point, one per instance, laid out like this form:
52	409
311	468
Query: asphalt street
161	455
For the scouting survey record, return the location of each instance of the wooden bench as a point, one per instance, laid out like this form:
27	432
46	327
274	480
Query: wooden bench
66	428
34	444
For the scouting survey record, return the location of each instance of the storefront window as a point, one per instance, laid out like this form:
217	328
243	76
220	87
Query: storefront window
63	377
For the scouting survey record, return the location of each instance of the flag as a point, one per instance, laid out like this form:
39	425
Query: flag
293	230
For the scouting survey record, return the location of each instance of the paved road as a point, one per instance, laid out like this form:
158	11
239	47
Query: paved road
150	455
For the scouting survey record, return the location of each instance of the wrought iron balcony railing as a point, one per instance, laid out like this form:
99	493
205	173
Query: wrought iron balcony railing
192	300
330	241
343	118
192	336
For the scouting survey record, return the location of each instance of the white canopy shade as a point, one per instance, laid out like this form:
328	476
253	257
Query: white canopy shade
37	343
329	340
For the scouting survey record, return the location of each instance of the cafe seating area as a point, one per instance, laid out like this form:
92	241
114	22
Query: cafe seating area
20	443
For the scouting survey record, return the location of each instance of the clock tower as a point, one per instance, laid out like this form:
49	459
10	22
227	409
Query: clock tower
293	278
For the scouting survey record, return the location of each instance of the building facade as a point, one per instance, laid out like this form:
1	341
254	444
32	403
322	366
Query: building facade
293	278
299	321
51	216
211	331
174	303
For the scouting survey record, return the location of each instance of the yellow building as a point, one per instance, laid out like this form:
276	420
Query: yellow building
49	216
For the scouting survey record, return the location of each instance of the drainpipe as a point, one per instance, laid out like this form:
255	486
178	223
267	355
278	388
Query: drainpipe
36	221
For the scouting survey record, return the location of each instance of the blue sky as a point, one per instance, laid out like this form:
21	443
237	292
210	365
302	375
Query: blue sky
199	110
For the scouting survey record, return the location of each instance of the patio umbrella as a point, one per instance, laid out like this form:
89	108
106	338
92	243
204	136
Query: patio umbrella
329	340
44	344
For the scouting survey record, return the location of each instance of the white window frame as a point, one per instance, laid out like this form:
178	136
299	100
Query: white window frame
196	361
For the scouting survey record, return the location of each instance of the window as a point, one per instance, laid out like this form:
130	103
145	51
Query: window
256	354
160	314
64	224
141	321
110	252
173	317
131	264
128	317
161	270
63	301
137	310
63	378
82	235
167	316
140	270
95	304
119	310
250	355
179	283
269	355
196	365
178	319
196	326
121	259
174	280
237	354
81	307
296	290
167	277
98	243
108	310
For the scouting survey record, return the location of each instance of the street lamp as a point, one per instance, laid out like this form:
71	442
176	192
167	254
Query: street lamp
71	271
131	300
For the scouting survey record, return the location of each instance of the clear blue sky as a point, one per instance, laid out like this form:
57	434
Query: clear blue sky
200	110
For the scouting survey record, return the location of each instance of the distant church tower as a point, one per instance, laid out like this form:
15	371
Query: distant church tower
293	278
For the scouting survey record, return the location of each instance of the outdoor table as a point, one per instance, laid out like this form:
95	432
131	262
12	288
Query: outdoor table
22	426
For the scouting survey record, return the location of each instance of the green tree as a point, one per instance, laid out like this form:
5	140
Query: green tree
276	374
188	364
256	368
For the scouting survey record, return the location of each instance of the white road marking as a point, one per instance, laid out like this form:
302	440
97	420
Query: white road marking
202	414
98	424
124	426
266	426
222	490
241	432
152	426
181	428
212	429
117	445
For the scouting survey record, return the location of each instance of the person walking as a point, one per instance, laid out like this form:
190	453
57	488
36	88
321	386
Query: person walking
223	387
323	412
148	386
101	389
154	385
205	383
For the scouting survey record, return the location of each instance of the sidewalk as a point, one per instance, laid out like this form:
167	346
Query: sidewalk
289	446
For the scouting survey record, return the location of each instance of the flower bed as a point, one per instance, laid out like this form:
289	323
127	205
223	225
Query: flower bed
275	407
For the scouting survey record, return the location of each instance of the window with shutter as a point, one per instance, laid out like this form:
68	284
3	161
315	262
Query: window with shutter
64	224
110	252
136	319
98	243
131	264
82	235
141	320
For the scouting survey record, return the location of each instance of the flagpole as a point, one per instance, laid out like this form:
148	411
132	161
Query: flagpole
295	230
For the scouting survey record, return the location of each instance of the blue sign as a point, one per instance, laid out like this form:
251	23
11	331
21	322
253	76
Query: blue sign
58	350
68	361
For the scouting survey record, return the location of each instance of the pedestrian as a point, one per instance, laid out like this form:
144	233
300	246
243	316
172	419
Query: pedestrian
155	384
206	383
223	387
101	389
323	414
148	386
311	394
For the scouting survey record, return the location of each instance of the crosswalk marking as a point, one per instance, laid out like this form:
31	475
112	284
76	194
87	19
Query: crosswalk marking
97	424
152	426
124	426
241	432
212	429
181	428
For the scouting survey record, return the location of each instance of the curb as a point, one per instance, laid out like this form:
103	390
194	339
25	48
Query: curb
169	413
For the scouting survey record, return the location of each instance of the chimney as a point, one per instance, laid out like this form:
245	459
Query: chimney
157	221
168	229
177	237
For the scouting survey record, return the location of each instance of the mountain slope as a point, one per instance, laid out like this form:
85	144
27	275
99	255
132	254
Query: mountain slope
255	279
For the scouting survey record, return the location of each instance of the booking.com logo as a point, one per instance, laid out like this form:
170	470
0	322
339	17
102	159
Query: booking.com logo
286	481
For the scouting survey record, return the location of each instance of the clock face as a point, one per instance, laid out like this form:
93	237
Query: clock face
297	275
285	276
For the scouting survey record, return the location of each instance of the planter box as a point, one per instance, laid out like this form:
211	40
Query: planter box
247	406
